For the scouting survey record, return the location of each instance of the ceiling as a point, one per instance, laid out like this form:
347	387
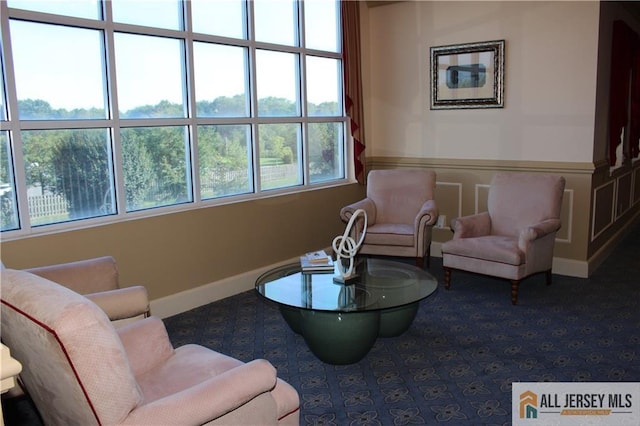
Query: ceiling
374	3
632	5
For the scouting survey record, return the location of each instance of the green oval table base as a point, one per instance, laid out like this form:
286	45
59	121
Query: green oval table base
345	338
293	317
341	322
339	338
395	321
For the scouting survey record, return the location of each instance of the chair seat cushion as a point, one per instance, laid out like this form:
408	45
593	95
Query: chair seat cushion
190	365
493	248
390	234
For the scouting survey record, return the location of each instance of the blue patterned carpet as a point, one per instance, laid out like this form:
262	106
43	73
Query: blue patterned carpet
457	361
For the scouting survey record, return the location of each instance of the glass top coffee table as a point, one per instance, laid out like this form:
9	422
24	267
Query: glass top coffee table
341	322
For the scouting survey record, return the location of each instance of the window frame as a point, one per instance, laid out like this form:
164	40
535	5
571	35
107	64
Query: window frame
114	123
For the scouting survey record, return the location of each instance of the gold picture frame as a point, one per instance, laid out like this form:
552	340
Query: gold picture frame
468	75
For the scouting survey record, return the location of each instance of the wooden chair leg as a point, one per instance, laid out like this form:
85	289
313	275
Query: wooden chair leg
548	276
419	262
429	257
447	278
514	291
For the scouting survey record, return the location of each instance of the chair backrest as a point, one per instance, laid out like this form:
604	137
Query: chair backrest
399	194
84	276
74	365
520	199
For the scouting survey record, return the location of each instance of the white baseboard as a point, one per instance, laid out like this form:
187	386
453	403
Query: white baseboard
174	304
570	267
208	293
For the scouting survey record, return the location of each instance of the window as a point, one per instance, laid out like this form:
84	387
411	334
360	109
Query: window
117	109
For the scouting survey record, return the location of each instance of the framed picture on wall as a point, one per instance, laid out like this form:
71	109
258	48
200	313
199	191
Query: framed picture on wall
468	75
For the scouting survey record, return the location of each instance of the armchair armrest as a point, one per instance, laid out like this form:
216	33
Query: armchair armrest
210	399
127	302
428	214
537	231
146	343
365	204
476	225
83	276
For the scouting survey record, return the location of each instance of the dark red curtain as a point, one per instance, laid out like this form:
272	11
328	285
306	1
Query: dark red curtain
634	124
350	14
624	97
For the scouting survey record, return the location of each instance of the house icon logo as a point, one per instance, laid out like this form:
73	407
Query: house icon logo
528	405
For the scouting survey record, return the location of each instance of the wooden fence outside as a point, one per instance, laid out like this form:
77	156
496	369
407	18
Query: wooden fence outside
47	205
50	205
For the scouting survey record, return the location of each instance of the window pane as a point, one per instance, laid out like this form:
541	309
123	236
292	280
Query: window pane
89	9
156	164
276	21
325	151
323	86
225	18
59	71
150	13
278	84
242	98
8	202
279	154
69	174
150	73
321	25
224	153
221	80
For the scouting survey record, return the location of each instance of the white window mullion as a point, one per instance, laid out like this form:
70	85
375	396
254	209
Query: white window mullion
114	114
149	57
253	108
14	125
191	102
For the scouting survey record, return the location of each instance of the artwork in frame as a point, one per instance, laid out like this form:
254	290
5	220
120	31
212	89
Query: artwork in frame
468	75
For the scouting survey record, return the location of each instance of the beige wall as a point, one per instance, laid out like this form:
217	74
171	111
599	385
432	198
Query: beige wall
550	72
553	121
179	252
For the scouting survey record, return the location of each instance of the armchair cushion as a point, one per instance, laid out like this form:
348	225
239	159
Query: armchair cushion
79	369
74	366
146	343
537	231
399	194
214	398
477	225
494	248
365	204
400	213
518	200
98	279
390	234
514	238
83	276
122	303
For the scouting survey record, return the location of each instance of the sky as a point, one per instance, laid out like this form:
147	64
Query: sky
64	65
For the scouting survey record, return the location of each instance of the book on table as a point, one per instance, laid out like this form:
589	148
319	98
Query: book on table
317	261
318	257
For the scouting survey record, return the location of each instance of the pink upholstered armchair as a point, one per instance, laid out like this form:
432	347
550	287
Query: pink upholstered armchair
98	279
401	212
81	370
515	237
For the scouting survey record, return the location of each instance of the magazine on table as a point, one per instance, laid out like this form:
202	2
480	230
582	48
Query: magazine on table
316	261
